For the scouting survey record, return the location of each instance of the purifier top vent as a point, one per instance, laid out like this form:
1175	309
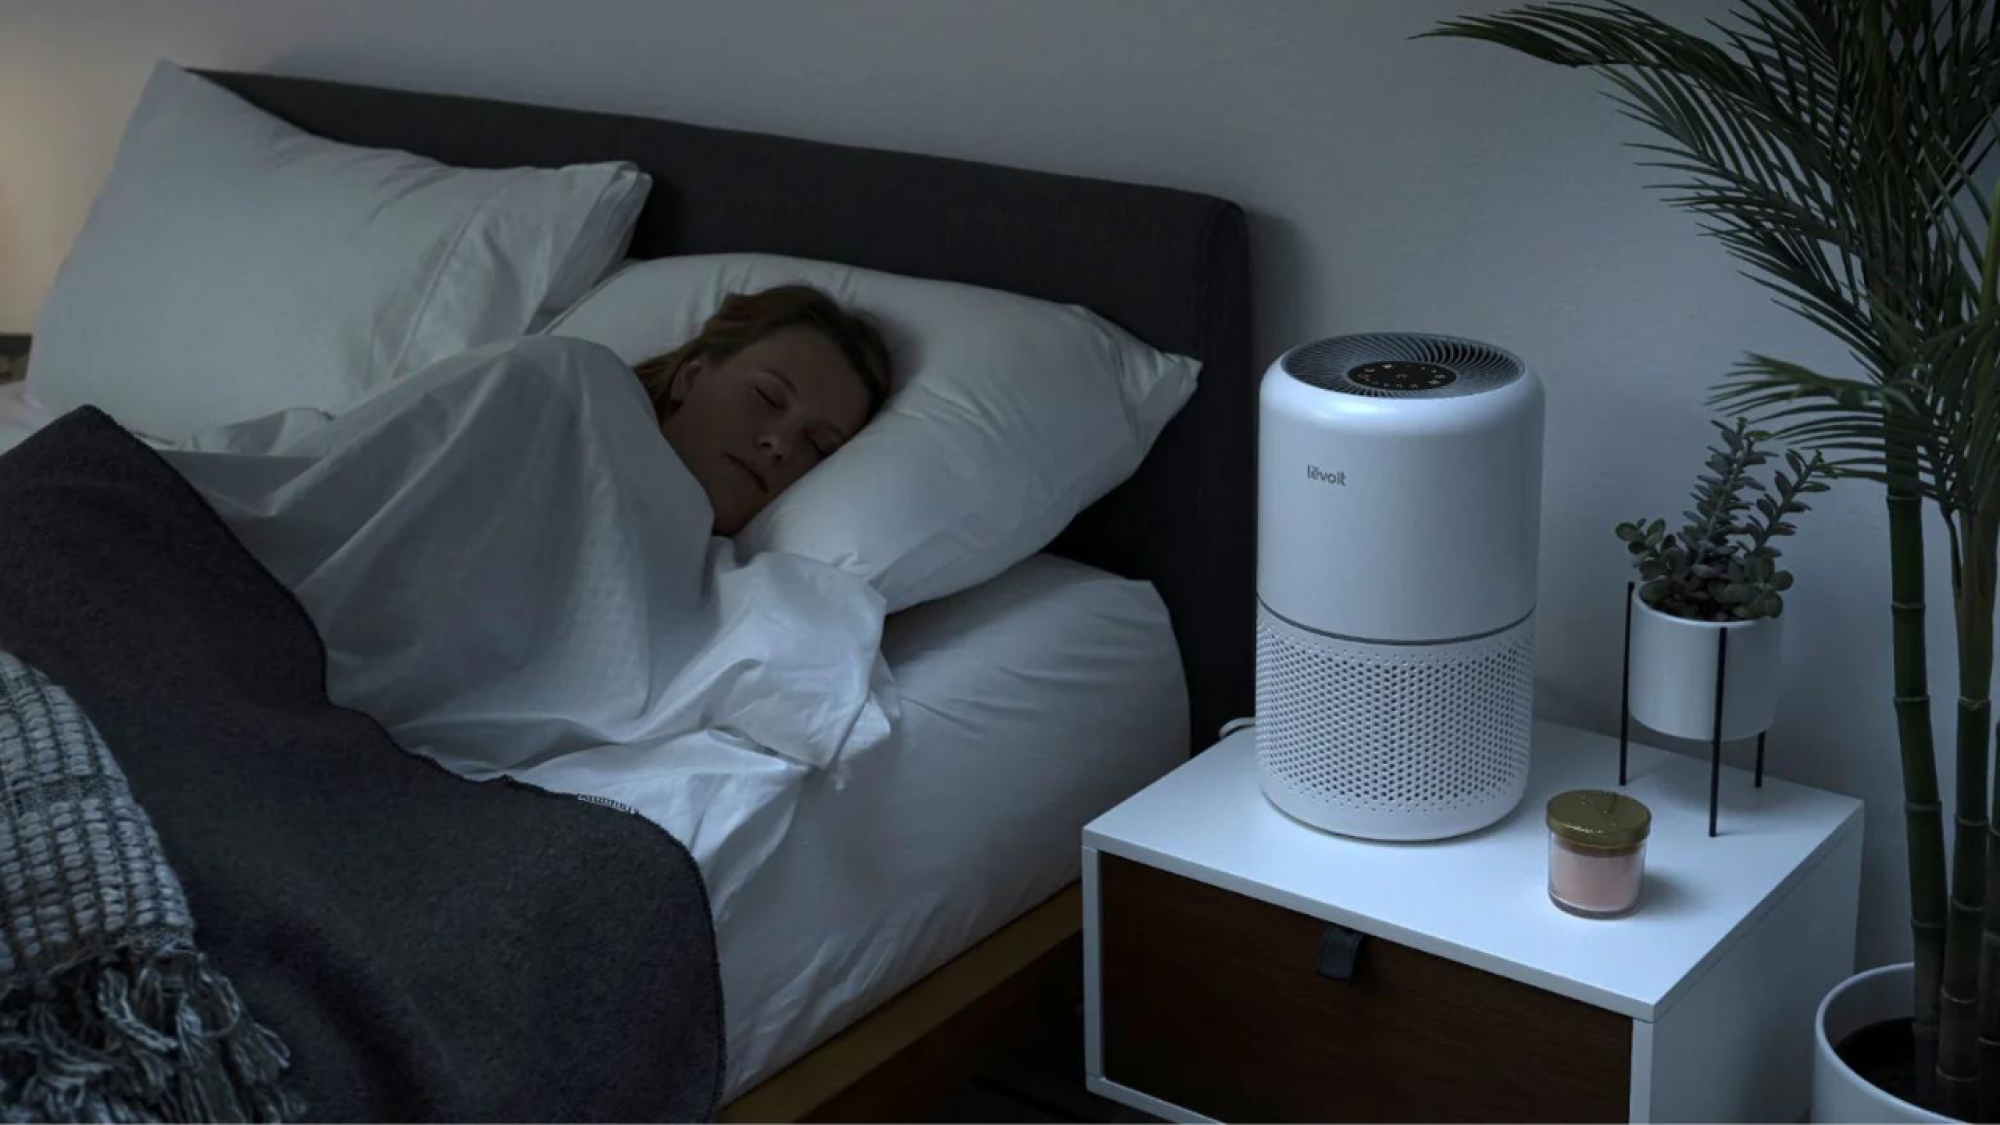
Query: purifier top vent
1402	365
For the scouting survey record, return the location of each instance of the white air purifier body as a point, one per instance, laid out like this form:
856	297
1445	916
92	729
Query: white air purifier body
1398	532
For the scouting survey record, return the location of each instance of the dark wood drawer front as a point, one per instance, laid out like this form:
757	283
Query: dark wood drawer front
1214	1001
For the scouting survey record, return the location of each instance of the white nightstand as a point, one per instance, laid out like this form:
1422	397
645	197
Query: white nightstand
1213	980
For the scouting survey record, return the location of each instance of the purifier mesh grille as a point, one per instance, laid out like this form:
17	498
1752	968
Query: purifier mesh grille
1326	364
1392	740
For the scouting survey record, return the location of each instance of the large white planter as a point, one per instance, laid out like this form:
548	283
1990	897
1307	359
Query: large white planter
1673	673
1838	1093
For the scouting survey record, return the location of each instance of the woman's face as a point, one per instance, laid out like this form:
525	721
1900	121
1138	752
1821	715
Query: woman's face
750	425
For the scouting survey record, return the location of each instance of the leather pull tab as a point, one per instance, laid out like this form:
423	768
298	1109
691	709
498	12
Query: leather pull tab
1338	951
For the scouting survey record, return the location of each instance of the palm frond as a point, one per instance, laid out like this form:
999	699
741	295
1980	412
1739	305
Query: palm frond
1946	407
1961	369
1857	424
1799	148
1798	380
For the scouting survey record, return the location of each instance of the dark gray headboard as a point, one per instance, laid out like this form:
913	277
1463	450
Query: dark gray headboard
1169	266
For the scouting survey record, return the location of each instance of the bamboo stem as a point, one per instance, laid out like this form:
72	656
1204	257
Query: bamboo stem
1960	1022
1989	980
1923	812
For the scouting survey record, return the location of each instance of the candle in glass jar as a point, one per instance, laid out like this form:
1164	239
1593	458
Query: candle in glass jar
1597	851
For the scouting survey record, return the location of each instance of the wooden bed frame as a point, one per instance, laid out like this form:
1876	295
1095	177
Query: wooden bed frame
900	1060
1168	266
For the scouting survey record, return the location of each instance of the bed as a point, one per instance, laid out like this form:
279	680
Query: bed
970	824
1166	265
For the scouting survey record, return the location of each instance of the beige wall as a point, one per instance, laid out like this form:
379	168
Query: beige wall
1391	184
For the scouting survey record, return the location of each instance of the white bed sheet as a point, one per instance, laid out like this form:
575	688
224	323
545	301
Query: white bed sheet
1031	704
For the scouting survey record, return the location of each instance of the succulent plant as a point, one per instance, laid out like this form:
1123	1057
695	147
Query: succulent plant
1722	565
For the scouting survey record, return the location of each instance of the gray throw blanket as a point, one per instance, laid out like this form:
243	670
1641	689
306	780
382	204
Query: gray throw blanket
107	1010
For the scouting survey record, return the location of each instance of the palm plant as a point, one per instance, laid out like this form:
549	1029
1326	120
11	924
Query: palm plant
1834	153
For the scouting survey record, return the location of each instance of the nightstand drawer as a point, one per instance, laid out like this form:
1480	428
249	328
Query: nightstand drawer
1215	1002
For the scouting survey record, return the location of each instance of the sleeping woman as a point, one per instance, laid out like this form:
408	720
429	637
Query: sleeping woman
520	554
774	383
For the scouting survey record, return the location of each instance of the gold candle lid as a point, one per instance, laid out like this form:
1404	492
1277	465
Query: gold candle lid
1599	818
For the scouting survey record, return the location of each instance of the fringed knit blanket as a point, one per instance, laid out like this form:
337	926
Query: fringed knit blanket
425	947
107	1010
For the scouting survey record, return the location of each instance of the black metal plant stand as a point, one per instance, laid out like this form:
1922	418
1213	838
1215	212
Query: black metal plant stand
1715	740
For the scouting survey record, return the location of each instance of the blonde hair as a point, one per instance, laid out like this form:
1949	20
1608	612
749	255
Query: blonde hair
746	318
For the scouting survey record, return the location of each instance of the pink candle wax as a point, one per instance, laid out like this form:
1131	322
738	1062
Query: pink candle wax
1597	851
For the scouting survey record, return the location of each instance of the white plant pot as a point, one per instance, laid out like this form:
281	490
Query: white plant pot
1673	673
1838	1093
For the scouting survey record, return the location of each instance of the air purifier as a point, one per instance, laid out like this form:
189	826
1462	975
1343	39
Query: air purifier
1398	525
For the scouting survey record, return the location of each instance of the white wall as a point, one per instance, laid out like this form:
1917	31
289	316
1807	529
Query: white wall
1433	185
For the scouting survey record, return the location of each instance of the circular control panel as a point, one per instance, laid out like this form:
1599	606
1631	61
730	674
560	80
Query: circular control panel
1403	375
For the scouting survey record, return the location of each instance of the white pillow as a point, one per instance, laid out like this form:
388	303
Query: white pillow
1010	415
234	265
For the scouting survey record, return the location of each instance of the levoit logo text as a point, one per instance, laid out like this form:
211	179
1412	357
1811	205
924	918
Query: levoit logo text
1314	472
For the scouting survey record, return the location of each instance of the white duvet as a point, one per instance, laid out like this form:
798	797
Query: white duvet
514	574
